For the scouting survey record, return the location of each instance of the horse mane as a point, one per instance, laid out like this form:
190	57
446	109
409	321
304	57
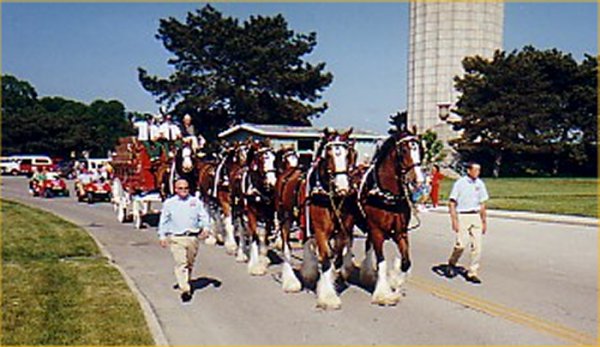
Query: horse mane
388	145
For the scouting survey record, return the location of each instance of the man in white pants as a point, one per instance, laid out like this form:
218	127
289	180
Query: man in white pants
469	220
183	222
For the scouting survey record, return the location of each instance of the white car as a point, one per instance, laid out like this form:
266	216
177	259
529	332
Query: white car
9	166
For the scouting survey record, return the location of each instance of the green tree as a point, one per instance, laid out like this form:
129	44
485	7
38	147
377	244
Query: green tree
19	100
529	108
55	125
228	72
433	148
398	121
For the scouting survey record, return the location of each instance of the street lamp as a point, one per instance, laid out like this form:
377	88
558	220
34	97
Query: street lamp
444	110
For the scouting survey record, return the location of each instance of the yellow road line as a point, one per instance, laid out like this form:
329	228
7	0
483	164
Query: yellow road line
554	329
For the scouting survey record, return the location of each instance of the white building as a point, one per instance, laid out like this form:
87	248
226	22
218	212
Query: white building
304	139
441	35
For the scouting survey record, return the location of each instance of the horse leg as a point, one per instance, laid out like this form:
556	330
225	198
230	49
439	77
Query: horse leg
347	254
367	274
230	244
217	222
213	235
289	281
255	266
327	297
263	234
400	268
240	229
383	294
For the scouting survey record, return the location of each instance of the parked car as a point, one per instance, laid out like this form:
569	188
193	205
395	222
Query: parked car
52	185
29	162
9	166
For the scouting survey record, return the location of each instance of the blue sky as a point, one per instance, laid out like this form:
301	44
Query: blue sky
92	51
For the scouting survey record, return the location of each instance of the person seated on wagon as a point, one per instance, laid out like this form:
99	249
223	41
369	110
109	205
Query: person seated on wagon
156	137
188	133
148	132
169	133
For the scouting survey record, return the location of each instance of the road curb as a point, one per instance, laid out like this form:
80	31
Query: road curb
537	217
152	320
158	335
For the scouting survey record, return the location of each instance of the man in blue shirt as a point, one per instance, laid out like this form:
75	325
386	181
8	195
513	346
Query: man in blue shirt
183	222
468	215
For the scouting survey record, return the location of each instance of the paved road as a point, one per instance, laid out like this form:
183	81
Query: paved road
540	287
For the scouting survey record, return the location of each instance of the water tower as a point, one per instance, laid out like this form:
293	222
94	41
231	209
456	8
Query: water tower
441	35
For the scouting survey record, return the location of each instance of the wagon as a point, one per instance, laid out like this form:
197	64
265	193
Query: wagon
135	186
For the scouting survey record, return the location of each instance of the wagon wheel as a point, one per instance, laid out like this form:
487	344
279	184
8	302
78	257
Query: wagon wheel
89	197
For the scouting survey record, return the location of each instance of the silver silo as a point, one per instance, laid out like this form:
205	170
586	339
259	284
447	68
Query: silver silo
441	35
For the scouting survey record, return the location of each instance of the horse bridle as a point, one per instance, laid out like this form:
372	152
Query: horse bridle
402	179
404	170
259	169
344	144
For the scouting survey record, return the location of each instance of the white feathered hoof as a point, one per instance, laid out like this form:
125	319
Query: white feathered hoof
289	281
327	297
220	238
241	256
230	245
383	294
396	277
256	267
230	248
211	240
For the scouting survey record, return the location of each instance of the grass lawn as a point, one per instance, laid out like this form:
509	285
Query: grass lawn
57	289
572	196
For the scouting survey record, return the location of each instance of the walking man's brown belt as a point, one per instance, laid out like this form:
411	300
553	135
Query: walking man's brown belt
189	233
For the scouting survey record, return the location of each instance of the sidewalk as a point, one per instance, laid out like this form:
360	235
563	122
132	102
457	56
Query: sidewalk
533	216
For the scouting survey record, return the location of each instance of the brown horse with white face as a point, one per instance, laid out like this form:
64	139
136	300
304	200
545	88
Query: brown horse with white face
207	168
226	191
258	185
288	204
384	197
329	209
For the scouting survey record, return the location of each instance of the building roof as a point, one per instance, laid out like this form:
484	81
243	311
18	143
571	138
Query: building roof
275	130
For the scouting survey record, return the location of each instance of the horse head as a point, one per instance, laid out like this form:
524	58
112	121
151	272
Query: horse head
409	149
286	158
261	159
185	156
337	156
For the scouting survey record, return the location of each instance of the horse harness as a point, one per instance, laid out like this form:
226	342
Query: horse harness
381	198
250	189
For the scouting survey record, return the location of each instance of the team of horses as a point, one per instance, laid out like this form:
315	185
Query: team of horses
256	194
